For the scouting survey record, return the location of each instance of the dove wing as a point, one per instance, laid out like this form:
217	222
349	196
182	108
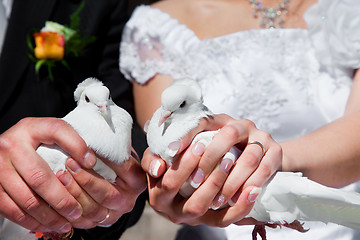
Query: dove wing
289	197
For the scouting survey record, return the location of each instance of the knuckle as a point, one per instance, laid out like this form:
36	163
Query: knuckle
194	210
94	213
157	203
266	171
20	217
110	197
6	143
64	204
248	123
56	126
215	184
32	204
37	178
87	182
231	132
176	219
169	184
251	160
128	206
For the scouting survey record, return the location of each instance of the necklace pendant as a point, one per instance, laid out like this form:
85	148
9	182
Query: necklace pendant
270	17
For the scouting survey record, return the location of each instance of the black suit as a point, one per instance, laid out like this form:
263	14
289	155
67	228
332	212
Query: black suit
24	93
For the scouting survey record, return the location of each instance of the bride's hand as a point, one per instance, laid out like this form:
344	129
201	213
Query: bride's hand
239	183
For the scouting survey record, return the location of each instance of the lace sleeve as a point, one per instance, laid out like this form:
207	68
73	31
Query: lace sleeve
150	45
334	26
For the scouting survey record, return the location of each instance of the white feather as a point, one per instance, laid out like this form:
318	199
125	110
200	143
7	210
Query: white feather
182	120
107	133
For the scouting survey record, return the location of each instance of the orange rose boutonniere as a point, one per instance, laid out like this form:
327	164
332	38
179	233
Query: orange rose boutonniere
54	43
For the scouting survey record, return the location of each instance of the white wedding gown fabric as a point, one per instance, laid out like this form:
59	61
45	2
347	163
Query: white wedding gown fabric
288	81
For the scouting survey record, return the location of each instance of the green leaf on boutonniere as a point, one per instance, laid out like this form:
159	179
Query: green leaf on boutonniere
55	43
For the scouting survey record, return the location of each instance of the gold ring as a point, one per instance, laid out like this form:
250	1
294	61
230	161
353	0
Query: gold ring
259	144
67	235
105	218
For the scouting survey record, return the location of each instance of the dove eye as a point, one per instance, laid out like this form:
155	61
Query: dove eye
183	104
87	99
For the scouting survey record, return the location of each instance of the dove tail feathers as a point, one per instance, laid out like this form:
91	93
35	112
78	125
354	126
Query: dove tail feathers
289	197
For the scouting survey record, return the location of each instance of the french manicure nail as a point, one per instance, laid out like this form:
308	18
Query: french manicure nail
154	167
65	178
90	159
218	202
198	149
254	194
197	177
173	148
74	166
226	164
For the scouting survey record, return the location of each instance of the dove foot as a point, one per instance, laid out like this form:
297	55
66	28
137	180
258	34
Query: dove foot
259	229
296	225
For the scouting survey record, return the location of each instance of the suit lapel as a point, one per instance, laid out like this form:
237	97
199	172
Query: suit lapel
25	16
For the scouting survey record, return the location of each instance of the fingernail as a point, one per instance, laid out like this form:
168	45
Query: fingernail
197	178
74	166
226	164
75	214
65	178
154	167
66	228
90	159
234	199
198	149
254	194
218	202
173	148
135	155
146	126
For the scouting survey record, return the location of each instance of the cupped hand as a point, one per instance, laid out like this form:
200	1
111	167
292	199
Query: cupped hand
103	202
220	180
30	193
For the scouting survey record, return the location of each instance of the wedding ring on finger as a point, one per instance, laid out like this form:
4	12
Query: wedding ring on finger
260	145
105	218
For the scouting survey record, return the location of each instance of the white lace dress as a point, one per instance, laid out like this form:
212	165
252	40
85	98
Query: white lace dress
288	81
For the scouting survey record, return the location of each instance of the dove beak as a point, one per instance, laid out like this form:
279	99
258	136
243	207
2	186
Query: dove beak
103	109
165	114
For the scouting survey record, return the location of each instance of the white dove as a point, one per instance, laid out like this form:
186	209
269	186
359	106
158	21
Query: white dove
104	126
285	199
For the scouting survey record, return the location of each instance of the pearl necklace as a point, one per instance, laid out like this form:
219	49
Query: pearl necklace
270	17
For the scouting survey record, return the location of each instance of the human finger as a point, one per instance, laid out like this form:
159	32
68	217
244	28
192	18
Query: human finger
270	163
162	191
92	211
117	198
13	212
54	131
100	190
258	162
226	216
40	178
153	164
33	208
205	124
